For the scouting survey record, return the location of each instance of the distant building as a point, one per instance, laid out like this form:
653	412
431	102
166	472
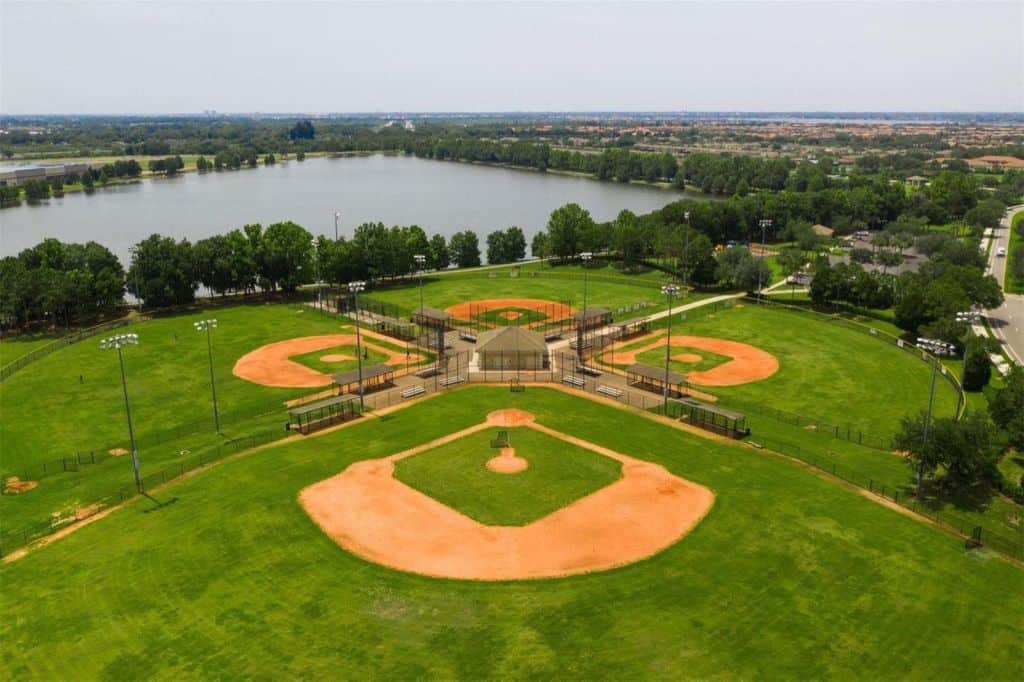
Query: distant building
993	162
511	348
917	181
16	175
823	231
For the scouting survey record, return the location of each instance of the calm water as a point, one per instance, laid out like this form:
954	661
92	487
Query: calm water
440	197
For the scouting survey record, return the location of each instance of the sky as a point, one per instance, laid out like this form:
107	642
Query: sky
321	57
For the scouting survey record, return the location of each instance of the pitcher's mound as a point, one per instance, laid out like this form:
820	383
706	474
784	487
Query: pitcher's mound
507	462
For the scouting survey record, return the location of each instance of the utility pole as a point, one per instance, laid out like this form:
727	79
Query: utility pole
765	223
686	250
420	261
337	214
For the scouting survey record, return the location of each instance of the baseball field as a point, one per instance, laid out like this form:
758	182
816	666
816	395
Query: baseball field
481	532
788	575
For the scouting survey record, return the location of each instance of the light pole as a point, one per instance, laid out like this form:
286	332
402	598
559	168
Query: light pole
205	326
316	265
355	288
765	223
686	249
669	290
115	343
585	258
134	251
420	262
337	215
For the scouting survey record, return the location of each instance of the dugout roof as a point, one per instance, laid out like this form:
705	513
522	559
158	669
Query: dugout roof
510	340
370	372
655	374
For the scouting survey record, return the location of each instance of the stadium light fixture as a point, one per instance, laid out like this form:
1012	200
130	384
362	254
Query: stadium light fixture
206	326
118	342
670	290
355	287
421	261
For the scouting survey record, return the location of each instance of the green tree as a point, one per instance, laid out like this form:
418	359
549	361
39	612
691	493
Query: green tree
977	366
566	227
285	256
465	249
163	272
439	258
1007	407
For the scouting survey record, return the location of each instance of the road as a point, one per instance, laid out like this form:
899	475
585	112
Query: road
1007	321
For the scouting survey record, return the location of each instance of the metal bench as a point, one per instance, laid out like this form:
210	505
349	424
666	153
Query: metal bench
592	371
575	381
609	391
448	381
466	336
413	391
552	336
426	372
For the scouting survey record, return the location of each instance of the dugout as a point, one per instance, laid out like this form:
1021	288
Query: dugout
713	418
592	318
375	377
307	418
511	348
652	379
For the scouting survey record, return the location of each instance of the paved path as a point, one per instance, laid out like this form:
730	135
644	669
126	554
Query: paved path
1006	321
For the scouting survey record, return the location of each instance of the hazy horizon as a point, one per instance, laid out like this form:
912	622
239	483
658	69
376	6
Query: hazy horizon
414	57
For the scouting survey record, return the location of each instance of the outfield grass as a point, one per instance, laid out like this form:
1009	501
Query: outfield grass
559	473
656	358
16	346
606	287
71	402
789	576
828	372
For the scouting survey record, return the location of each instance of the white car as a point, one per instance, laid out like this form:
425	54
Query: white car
1001	251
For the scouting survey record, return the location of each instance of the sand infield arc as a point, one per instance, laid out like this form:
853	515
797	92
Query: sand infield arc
270	365
748	363
554	312
373	515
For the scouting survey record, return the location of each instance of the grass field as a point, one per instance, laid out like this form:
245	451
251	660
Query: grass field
826	371
559	473
606	287
71	401
16	346
789	576
313	361
656	358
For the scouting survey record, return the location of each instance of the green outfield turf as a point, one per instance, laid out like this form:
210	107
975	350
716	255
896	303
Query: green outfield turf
559	473
606	287
69	404
789	576
826	371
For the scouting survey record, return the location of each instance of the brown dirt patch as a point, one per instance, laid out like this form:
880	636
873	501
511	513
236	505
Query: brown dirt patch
687	357
507	462
553	311
747	363
511	315
371	514
336	357
510	417
270	365
15	486
117	452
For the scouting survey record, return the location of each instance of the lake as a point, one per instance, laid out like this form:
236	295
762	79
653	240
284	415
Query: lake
441	197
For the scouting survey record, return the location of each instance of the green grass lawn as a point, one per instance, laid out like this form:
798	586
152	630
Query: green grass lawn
70	402
789	576
559	473
826	371
14	347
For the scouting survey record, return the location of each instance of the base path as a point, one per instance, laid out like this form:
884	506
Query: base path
371	514
271	365
747	363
